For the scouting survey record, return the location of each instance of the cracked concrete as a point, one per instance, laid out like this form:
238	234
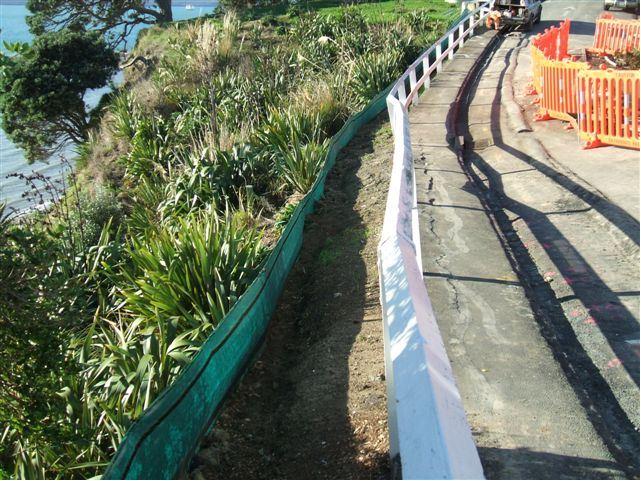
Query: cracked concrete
537	388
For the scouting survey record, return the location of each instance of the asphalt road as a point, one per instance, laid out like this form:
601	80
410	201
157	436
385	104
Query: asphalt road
593	249
533	272
620	180
582	14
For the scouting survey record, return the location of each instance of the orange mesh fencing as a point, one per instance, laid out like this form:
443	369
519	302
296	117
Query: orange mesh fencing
603	105
614	35
608	108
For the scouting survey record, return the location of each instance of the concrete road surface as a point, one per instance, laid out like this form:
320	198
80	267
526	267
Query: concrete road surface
621	163
531	258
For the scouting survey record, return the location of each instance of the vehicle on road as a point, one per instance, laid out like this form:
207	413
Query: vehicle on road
622	4
516	13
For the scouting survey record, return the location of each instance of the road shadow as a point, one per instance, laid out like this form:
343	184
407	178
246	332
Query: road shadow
593	391
577	27
500	462
313	406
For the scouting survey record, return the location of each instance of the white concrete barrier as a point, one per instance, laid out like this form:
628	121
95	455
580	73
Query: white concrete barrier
429	434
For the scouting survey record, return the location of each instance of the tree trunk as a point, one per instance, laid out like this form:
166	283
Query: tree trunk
165	10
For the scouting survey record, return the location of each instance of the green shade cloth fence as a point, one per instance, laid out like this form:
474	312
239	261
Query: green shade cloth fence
161	443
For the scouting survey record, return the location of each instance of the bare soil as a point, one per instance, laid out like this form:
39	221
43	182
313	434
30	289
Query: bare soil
314	404
620	61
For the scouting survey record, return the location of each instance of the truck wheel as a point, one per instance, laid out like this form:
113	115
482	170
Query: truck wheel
606	6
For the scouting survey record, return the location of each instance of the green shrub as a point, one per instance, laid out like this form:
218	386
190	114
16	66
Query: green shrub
284	215
286	127
151	152
212	176
193	268
172	288
323	102
419	20
243	101
372	73
268	20
126	115
53	292
301	164
194	114
92	214
145	198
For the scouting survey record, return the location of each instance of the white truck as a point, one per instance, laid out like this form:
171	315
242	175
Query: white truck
516	13
622	4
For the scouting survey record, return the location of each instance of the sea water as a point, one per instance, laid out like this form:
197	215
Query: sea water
13	28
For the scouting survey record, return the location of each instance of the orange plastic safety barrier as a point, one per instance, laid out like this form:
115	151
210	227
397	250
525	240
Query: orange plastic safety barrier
614	35
608	108
537	57
551	44
554	75
558	94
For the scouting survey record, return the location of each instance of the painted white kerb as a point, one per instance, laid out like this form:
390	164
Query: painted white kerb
428	428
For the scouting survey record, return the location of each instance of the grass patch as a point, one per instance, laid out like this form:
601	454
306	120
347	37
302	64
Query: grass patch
340	245
374	12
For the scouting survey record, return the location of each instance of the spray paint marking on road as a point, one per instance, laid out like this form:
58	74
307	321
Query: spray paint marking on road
616	362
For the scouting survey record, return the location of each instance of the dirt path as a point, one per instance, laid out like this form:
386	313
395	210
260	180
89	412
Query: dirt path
314	404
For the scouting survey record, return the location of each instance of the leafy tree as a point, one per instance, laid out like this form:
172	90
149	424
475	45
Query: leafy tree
42	89
113	18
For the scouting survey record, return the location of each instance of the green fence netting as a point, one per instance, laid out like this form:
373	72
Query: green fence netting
161	443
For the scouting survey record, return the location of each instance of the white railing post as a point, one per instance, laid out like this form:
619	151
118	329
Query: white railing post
426	66
401	93
463	30
413	83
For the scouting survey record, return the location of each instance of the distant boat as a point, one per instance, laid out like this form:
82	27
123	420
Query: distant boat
189	6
